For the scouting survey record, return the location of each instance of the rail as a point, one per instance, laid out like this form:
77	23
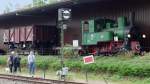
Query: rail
31	80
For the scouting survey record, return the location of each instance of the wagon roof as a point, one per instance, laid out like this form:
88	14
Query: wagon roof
49	12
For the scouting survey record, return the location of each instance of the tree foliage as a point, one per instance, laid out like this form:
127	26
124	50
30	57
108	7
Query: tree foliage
37	3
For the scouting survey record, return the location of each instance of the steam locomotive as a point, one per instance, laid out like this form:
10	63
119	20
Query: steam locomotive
107	36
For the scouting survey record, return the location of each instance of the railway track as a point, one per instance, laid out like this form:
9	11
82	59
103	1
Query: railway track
12	79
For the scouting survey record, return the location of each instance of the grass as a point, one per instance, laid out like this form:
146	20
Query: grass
72	76
124	66
80	77
122	69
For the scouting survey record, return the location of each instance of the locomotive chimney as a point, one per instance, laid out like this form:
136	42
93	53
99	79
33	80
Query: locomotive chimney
132	18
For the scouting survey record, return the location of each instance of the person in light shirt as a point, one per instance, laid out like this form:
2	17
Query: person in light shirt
31	63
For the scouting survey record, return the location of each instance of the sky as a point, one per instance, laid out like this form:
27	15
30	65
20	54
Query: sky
20	3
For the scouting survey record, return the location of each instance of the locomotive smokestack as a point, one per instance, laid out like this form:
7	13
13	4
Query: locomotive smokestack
132	18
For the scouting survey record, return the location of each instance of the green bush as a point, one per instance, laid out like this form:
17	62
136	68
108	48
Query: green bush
69	51
137	66
3	60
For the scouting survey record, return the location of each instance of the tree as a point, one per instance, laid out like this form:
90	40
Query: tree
8	8
37	3
28	6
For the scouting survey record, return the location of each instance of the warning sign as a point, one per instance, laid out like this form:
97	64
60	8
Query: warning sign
88	59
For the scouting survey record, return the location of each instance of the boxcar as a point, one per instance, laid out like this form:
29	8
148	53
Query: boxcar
41	38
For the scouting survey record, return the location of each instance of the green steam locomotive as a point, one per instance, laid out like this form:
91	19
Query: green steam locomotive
107	36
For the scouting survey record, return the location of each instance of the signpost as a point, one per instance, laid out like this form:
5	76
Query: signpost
64	15
88	60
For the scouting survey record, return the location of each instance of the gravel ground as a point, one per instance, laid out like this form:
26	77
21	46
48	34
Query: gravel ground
6	81
39	74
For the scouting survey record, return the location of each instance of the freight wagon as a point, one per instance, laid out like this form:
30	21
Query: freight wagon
41	38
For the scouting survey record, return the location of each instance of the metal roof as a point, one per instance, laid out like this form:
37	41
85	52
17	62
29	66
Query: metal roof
32	15
49	12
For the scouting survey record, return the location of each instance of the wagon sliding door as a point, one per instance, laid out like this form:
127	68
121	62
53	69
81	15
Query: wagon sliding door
46	38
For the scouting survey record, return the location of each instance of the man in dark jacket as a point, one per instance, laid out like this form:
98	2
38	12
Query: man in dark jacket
10	61
17	63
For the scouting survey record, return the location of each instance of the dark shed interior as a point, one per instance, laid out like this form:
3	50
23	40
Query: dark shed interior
83	9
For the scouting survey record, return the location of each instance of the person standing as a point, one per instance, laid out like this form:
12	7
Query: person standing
10	61
31	63
17	63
